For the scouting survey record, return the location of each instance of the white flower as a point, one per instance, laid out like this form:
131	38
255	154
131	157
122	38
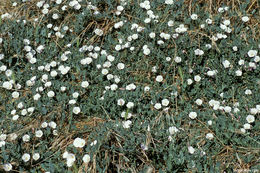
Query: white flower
98	32
173	130
70	159
120	8
72	102
36	156
118	47
113	87
152	35
170	23
26	157
208	21
257	59
227	109
177	59
120	66
147	88
248	92
247	126
45	11
52	124
192	115
75	95
79	143
194	16
209	122
191	150
13	136
238	73
50	94
243	130
169	2
120	102
76	110
26	138
253	111
86	158
159	78
250	118
189	81
157	106
252	53
245	19
44	125
198	102
126	115
8	73
93	143
2	143
127	124
15	117
241	62
104	71
38	133
226	63
7	167
15	94
84	84
209	136
130	105
197	78
146	51
165	102
198	52
226	22
221	10
58	1
7	85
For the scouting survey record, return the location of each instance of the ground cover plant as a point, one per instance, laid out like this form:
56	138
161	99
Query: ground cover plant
129	86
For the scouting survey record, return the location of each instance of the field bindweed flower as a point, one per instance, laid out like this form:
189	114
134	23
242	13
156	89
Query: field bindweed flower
98	32
191	150
38	133
79	143
84	84
36	156
247	126
199	102
248	92
169	2
165	102
194	16
86	158
173	130
159	78
26	157
120	102
130	105
7	167
252	53
157	106
226	64
209	136
192	115
76	110
245	18
250	118
197	78
26	138
127	124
